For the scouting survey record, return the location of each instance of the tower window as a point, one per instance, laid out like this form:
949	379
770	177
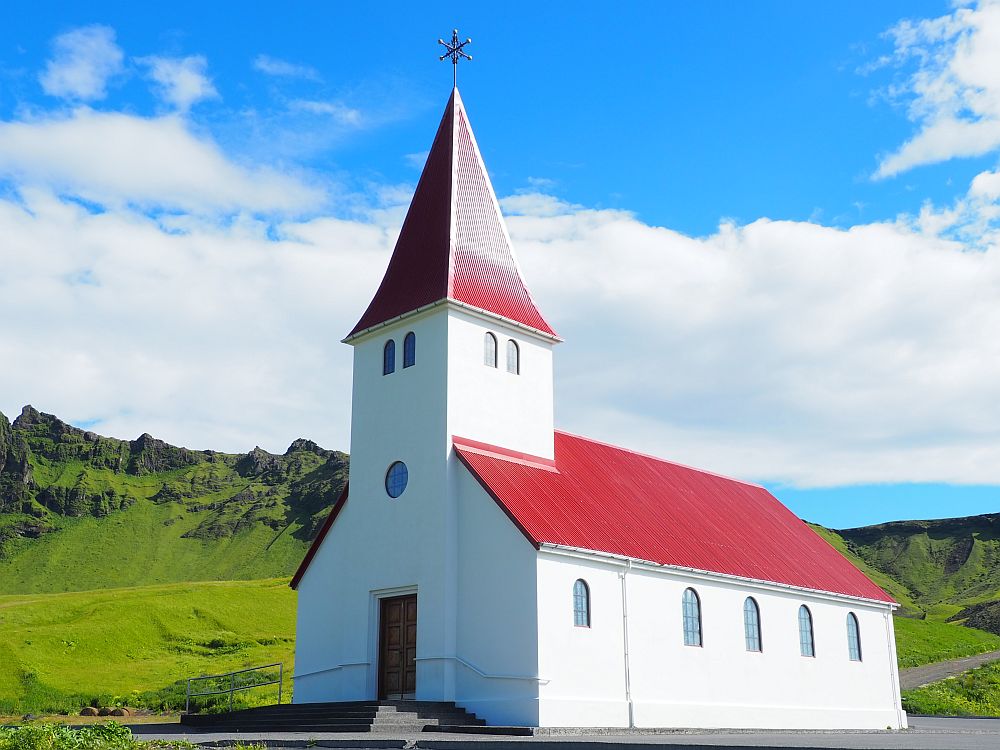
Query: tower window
490	350
751	624
581	604
513	357
410	349
807	644
396	479
853	637
389	357
692	618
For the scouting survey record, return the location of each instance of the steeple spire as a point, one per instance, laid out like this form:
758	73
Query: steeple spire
454	244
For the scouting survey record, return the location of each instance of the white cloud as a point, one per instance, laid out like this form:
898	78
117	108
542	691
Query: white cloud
181	81
213	337
339	112
954	93
273	66
83	61
113	158
782	351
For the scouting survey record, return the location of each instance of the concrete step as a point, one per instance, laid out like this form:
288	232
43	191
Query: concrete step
352	716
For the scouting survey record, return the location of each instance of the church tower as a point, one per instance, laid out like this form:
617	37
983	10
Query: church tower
451	346
452	343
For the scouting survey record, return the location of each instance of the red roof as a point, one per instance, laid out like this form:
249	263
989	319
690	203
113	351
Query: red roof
453	244
608	499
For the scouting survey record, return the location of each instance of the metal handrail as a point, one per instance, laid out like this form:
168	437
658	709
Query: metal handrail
232	684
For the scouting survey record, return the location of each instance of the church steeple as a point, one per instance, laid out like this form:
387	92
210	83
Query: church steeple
454	245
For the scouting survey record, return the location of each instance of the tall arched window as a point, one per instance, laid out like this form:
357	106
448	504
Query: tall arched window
410	349
692	618
807	646
389	357
751	624
853	637
490	350
513	357
581	604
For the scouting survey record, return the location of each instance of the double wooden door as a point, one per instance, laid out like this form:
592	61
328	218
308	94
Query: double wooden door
397	671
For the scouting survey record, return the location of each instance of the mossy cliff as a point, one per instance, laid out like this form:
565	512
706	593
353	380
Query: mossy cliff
80	511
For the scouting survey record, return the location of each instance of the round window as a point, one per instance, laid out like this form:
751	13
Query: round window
395	479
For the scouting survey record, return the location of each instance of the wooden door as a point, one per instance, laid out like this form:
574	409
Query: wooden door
397	666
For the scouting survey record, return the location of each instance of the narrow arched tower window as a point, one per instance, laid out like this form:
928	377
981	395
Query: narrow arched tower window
410	349
581	604
490	350
513	357
807	644
751	624
853	637
389	357
692	618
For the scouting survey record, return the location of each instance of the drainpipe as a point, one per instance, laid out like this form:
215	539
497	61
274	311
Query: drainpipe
628	684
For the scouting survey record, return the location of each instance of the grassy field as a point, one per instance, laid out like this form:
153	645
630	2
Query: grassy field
925	641
59	652
149	548
976	693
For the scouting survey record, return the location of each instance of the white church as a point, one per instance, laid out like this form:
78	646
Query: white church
539	578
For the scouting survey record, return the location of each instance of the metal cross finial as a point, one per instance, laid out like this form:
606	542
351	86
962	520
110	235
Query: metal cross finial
455	52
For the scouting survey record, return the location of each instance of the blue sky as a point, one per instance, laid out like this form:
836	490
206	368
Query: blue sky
767	231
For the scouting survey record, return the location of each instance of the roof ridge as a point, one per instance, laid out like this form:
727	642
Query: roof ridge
662	460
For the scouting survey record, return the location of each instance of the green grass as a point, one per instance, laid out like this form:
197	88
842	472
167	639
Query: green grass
142	545
925	641
109	736
975	693
59	652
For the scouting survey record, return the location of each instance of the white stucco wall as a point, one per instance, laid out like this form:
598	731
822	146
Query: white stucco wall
444	538
378	545
490	404
719	684
497	621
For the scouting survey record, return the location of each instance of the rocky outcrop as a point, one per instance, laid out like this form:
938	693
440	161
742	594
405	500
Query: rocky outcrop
147	455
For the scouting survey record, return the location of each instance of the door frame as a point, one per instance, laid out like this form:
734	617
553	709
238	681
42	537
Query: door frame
375	630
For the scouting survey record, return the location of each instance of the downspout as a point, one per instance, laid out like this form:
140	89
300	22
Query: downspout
628	683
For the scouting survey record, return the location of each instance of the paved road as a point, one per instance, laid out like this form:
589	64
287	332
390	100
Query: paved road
925	734
914	677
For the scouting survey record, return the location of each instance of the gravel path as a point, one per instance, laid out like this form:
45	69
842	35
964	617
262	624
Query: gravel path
914	677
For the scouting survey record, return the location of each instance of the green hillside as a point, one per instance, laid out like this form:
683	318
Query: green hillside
79	511
63	651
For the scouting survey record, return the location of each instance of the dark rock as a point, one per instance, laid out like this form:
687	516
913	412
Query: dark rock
301	444
147	455
258	462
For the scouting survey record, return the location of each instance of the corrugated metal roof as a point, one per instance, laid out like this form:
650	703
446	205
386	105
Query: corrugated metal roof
470	259
609	499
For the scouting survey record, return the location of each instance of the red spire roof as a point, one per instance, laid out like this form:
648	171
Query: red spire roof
600	497
454	244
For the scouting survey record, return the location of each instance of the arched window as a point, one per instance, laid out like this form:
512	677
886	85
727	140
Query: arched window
692	618
807	646
581	604
751	624
853	637
410	349
513	357
389	357
490	350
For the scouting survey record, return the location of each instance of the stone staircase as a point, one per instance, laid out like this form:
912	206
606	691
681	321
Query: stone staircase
349	716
